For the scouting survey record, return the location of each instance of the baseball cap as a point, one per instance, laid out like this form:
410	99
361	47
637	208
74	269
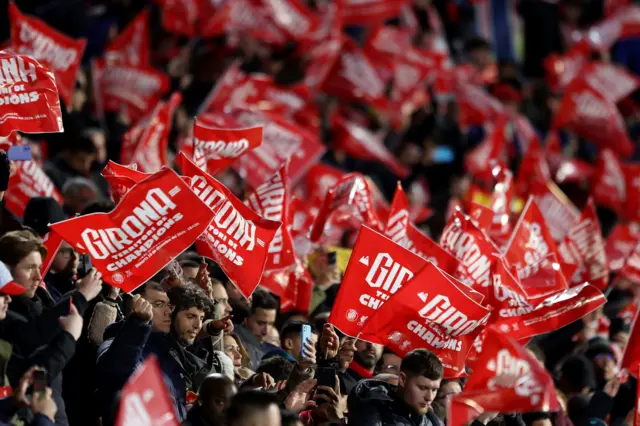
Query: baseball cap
7	285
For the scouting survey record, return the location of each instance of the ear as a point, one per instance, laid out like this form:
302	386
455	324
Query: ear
402	379
287	344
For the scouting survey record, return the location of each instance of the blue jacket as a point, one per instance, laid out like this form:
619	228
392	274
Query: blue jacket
126	345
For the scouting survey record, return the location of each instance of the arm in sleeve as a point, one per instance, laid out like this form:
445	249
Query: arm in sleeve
103	316
41	420
364	415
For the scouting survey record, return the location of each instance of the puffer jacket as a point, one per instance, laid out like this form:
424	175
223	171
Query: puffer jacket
374	403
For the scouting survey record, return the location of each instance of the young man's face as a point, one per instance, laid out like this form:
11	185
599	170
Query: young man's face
162	310
187	324
27	273
5	299
418	392
81	162
66	260
220	296
260	321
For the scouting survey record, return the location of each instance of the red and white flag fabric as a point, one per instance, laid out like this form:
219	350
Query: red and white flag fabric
401	230
377	269
151	151
505	378
608	186
238	238
631	269
121	178
28	180
370	12
215	149
631	357
157	220
52	242
145	398
432	311
132	45
59	53
271	201
585	246
621	241
558	211
29	102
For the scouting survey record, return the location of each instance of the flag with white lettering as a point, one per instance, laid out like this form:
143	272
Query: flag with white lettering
558	211
631	357
60	53
132	45
215	149
377	269
544	278
401	230
631	269
121	178
151	151
505	378
271	201
28	180
608	186
430	311
238	238
621	241
28	96
157	220
145	398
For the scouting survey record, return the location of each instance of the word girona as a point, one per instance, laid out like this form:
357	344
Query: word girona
514	372
16	70
44	48
221	149
227	220
137	231
536	245
388	276
270	204
440	311
465	248
129	77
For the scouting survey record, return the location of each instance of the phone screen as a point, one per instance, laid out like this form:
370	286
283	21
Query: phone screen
306	335
39	381
326	377
332	258
443	154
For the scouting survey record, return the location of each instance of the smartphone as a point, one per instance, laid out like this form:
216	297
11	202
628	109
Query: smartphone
326	377
39	381
305	337
84	265
443	154
332	258
19	153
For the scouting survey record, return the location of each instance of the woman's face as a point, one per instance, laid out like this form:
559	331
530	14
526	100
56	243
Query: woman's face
232	350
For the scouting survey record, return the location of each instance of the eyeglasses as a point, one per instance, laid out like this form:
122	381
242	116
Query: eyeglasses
604	357
163	305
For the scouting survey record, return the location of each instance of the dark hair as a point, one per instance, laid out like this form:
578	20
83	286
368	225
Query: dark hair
100	206
421	362
575	373
80	144
246	403
277	367
149	285
531	417
187	297
293	328
287	418
16	245
476	43
263	300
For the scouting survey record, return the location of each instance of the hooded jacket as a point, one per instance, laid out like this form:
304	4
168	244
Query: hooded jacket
374	403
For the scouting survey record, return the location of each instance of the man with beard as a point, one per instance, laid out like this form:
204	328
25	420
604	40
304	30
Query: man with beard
365	358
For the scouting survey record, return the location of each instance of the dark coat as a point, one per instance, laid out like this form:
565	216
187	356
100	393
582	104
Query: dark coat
374	403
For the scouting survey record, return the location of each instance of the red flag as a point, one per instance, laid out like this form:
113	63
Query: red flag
402	231
52	242
27	181
180	17
294	17
323	58
157	219
216	149
370	12
558	211
621	241
430	311
631	207
351	192
505	378
377	269
608	182
481	160
31	103
631	269
271	201
132	45
553	312
319	180
121	178
631	357
358	142
533	168
544	278
61	54
145	398
151	151
473	248
584	245
238	238
137	88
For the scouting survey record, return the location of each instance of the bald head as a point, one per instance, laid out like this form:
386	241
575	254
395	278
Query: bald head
214	396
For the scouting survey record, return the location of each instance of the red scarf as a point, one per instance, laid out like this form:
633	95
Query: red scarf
363	372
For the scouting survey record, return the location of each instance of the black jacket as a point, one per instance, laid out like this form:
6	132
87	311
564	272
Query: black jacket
374	403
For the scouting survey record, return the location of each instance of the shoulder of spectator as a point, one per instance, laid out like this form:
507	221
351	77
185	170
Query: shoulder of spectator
41	420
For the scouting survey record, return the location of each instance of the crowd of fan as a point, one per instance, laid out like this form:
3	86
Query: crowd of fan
232	361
